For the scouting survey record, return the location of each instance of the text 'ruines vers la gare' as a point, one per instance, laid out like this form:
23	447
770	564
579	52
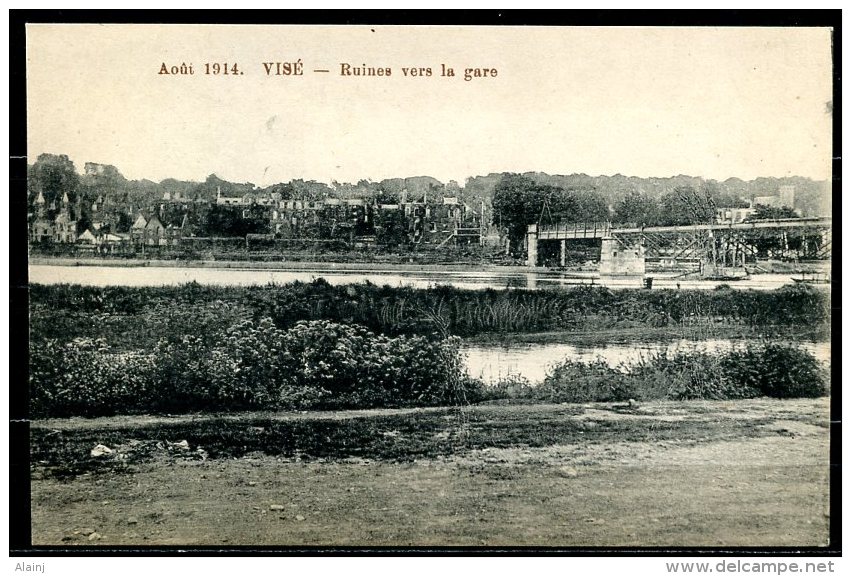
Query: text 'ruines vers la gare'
297	68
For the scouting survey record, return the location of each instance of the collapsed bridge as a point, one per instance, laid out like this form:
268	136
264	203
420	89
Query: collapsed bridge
626	250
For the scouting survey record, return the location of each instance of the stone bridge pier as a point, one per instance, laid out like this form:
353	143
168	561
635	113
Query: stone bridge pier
622	257
532	245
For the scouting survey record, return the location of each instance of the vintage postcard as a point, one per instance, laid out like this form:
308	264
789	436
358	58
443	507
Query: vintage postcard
359	286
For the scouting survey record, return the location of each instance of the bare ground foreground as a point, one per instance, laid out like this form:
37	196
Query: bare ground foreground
737	473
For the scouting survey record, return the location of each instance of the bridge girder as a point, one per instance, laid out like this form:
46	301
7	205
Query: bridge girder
805	238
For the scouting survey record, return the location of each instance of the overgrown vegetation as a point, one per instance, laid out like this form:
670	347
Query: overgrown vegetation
251	365
99	351
325	365
774	370
130	318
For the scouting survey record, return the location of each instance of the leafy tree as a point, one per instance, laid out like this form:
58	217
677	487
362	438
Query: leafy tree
101	180
310	189
84	222
551	204
637	209
53	175
124	222
517	202
686	205
725	198
509	208
591	207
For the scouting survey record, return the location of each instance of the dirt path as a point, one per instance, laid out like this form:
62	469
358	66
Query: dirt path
768	490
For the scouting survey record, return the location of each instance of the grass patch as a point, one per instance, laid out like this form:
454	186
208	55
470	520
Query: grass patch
425	434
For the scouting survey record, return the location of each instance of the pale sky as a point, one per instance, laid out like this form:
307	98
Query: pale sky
743	102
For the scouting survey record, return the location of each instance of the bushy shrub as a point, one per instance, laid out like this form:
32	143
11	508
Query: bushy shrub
512	387
180	380
687	376
776	370
253	365
335	357
572	381
84	377
359	368
246	368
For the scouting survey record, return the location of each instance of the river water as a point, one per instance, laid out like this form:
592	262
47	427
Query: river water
474	280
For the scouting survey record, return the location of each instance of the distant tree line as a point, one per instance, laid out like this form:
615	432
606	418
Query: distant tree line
512	200
519	200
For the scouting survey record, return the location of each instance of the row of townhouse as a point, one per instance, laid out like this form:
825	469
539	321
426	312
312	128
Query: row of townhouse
151	231
62	228
99	233
434	221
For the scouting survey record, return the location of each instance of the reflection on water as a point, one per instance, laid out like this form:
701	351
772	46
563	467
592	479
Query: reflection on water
532	361
474	280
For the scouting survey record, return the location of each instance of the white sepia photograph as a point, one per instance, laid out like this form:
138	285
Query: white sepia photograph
420	287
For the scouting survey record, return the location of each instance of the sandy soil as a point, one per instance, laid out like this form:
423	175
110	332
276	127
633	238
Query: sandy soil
769	490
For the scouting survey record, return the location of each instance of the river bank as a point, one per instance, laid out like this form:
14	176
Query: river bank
648	335
282	265
466	276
